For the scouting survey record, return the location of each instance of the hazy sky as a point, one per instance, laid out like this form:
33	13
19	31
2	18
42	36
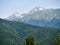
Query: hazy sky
7	7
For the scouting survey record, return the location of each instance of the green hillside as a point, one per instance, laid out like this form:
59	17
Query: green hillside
15	33
8	36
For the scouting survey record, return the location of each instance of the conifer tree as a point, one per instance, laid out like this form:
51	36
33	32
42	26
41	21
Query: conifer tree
57	39
29	40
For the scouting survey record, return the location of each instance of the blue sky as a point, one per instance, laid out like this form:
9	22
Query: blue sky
7	7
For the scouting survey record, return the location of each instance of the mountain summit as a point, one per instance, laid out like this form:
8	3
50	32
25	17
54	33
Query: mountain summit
36	9
14	16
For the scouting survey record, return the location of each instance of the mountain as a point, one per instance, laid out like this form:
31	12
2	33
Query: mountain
14	33
38	16
54	23
36	9
15	16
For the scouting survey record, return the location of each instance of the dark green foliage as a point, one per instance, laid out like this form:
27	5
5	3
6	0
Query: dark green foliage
30	40
37	44
57	39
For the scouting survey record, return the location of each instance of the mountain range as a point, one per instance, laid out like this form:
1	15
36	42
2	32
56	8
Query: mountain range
38	16
15	33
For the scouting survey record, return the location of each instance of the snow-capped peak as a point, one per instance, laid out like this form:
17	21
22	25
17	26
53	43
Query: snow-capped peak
41	8
16	15
36	9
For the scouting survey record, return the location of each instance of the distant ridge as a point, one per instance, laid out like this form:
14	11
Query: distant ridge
38	16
